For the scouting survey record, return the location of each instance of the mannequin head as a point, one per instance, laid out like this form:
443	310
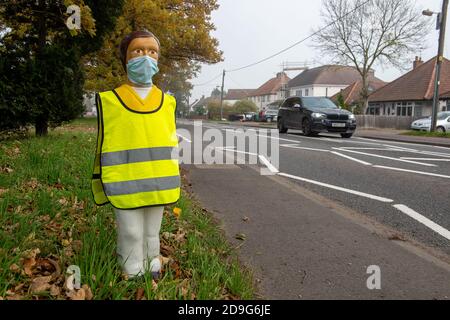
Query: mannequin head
138	44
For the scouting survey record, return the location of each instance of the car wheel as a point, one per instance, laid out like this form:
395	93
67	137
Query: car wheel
306	128
440	129
281	127
346	135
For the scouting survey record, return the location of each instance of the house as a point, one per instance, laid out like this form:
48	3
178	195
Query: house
271	91
411	95
235	95
326	81
446	98
351	95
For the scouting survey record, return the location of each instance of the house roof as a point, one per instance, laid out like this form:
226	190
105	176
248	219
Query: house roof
352	94
272	86
328	75
418	84
238	94
445	95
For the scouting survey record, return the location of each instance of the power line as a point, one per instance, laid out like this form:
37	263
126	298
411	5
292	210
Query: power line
208	82
299	42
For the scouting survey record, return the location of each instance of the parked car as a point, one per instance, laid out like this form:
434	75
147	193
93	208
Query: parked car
249	116
269	115
314	115
443	123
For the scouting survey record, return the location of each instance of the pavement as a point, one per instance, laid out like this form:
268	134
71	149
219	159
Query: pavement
337	207
302	247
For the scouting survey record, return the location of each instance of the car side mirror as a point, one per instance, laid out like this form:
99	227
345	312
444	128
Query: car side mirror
297	106
448	120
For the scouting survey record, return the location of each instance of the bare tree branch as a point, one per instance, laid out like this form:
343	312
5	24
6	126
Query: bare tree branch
363	34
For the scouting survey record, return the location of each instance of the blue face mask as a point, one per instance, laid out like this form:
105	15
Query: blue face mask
141	70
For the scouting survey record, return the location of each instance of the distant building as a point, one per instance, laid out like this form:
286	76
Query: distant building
271	91
326	81
235	95
352	94
411	95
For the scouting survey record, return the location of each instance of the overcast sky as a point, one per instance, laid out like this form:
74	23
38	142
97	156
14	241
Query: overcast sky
251	30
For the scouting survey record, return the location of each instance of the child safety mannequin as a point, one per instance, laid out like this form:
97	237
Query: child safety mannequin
136	168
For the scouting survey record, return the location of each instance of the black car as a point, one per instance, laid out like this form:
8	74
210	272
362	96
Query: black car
313	115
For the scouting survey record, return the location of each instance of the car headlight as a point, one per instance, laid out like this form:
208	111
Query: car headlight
318	115
351	117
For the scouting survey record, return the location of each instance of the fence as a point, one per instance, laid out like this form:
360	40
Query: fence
384	122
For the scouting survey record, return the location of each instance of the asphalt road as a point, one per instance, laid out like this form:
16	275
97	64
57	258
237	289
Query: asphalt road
404	186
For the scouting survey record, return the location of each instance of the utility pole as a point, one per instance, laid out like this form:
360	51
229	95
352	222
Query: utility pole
440	58
221	95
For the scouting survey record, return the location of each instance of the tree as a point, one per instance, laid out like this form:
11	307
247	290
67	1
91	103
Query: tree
243	106
341	102
213	108
42	78
364	33
183	28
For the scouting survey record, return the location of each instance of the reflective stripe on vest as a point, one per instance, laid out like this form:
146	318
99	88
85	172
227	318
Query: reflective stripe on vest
137	155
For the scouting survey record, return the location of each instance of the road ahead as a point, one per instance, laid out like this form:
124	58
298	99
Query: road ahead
402	185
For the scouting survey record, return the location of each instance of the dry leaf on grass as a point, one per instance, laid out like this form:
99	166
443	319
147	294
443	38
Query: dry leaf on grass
140	293
40	284
28	265
55	290
14	268
63	201
2	191
76	294
164	261
87	292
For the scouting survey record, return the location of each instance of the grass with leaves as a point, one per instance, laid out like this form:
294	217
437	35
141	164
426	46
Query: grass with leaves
48	222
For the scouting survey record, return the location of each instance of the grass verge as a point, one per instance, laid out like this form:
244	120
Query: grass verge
427	134
48	222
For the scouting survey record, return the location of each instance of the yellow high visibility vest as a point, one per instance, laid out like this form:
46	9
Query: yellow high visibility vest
136	163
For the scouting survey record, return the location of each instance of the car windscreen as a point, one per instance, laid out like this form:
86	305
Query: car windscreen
443	115
318	103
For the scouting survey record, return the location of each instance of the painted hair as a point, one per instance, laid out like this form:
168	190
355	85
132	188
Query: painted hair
130	37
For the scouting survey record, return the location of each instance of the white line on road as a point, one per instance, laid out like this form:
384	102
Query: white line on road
384	157
184	138
303	148
268	164
426	159
425	221
362	194
377	149
350	158
413	171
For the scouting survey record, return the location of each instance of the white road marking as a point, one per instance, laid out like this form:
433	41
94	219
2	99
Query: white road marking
425	221
413	171
426	159
358	193
303	148
350	158
184	138
378	149
266	136
384	157
267	163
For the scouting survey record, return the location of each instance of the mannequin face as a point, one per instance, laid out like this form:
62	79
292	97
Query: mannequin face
143	46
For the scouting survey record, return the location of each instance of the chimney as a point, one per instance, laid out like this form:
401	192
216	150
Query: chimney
418	62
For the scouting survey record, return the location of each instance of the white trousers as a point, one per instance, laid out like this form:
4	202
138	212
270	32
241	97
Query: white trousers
138	239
